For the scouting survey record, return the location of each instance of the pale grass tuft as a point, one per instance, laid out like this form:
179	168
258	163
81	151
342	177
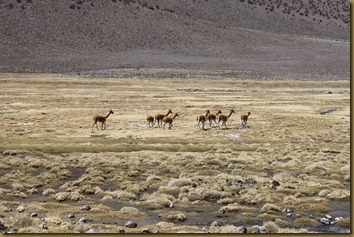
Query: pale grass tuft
324	192
73	196
339	194
292	231
223	229
208	194
270	227
158	198
128	210
174	216
270	208
18	186
153	178
81	228
3	208
181	182
20	221
48	192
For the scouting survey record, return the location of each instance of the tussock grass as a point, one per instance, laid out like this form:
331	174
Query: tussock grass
173	216
270	227
305	222
270	208
164	200
149	169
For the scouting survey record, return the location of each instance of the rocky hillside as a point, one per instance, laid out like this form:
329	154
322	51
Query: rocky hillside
81	35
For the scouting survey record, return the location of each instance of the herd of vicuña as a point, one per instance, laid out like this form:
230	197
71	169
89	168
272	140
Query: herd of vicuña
163	119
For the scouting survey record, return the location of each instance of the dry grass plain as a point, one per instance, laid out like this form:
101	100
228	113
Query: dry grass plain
291	156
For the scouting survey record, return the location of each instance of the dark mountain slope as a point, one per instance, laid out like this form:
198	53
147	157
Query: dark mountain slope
81	35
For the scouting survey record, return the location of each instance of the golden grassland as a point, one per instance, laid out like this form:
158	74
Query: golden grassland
294	154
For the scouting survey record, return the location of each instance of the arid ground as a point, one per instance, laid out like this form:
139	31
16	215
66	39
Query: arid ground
284	172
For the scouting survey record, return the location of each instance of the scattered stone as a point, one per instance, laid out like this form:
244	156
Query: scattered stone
33	214
121	231
85	207
3	228
131	224
324	221
329	92
44	219
82	220
338	218
329	217
311	216
91	231
275	184
71	215
298	215
222	210
171	205
289	210
145	231
241	229
43	225
205	228
215	223
258	229
333	222
289	215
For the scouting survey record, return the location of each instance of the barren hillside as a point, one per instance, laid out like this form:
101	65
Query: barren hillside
301	38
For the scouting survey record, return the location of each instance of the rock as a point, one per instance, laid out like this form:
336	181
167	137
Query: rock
241	229
171	205
43	225
298	215
275	184
222	210
145	231
82	220
33	214
71	215
85	207
258	229
329	92
131	224
289	215
121	231
91	231
215	223
333	222
324	221
44	219
3	228
329	217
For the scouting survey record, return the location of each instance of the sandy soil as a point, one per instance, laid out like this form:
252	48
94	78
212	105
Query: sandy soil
298	135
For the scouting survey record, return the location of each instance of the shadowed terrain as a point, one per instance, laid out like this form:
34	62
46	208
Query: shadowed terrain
305	39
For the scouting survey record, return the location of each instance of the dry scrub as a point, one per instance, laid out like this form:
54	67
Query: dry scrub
290	157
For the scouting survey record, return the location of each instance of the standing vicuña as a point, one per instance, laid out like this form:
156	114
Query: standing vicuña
102	119
150	122
159	117
224	118
202	119
244	119
168	120
212	117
